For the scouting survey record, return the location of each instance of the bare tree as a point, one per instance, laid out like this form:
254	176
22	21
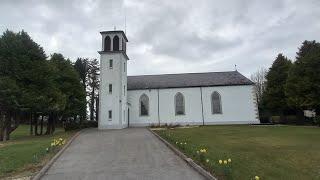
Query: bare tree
259	78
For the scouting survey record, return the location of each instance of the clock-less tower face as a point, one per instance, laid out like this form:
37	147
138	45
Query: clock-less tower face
113	76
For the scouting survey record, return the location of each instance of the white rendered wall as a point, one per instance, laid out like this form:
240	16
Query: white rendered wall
133	99
237	103
117	101
237	106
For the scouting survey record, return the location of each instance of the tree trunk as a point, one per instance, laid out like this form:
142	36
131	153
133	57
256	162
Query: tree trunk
1	125
41	125
35	120
6	128
92	104
31	124
49	124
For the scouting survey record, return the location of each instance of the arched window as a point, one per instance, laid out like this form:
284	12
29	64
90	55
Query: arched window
179	104
216	103
107	44
144	105
115	43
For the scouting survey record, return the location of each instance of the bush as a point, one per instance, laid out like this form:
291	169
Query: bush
317	120
74	125
275	119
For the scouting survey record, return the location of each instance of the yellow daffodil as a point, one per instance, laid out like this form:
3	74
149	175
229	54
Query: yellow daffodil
185	143
256	178
207	160
229	160
180	143
225	162
220	161
197	152
176	142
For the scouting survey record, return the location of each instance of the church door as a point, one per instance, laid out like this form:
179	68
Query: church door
128	116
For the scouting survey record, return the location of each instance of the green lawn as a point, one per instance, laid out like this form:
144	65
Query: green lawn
25	154
271	152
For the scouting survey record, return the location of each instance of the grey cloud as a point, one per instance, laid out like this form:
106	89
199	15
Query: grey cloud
188	36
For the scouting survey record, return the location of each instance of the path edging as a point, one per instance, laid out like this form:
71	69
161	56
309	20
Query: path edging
45	168
194	165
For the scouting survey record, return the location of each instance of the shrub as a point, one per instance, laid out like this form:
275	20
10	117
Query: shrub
317	121
275	119
74	125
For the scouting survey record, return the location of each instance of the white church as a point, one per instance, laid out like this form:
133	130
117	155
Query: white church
185	99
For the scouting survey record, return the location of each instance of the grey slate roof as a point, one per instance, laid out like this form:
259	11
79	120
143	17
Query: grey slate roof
229	78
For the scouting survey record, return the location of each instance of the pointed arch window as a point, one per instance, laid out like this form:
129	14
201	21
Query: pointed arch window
115	43
216	103
107	44
179	104
144	105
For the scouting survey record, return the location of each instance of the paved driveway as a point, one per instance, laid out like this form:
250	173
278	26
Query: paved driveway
132	153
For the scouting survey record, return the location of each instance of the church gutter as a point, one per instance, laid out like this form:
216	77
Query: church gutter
202	106
158	108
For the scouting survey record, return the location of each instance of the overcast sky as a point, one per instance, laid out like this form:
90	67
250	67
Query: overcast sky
170	36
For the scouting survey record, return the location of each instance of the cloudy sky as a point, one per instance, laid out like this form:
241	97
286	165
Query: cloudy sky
167	36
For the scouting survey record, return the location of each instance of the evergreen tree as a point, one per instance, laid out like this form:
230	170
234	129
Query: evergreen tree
20	65
93	82
81	66
67	80
274	97
303	84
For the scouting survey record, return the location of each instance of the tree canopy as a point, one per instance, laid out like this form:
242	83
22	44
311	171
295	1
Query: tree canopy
303	85
29	83
274	96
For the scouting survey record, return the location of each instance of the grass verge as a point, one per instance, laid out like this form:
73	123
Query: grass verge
270	152
24	155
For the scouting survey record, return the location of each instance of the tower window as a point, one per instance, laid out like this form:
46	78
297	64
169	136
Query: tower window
110	88
110	114
110	64
124	90
115	43
107	44
124	67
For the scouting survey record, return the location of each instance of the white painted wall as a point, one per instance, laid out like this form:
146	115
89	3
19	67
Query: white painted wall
117	100
237	106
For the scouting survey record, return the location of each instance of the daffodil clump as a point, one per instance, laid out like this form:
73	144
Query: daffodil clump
56	143
202	154
256	178
225	162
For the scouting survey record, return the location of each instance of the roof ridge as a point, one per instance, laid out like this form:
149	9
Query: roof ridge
183	73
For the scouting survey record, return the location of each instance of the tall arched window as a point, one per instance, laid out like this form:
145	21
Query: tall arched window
179	104
216	103
107	44
144	105
116	43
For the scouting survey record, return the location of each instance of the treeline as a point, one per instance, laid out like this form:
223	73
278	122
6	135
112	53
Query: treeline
39	90
290	88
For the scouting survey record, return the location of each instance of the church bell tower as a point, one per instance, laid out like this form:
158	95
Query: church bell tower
113	109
